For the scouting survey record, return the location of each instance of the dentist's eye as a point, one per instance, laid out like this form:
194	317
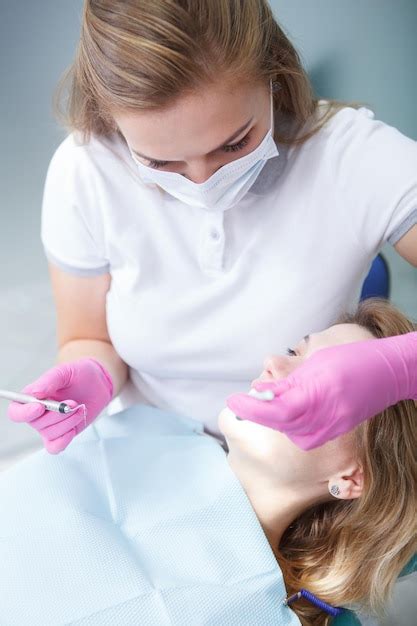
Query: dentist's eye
156	164
233	147
291	352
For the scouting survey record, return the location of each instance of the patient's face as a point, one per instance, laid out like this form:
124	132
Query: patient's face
259	444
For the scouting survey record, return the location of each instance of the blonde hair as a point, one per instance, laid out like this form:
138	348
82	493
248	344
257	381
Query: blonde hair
141	55
351	552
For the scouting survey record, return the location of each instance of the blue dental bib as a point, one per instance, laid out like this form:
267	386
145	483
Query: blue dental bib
139	522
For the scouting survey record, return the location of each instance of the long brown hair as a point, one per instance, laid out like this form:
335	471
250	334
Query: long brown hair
138	55
351	552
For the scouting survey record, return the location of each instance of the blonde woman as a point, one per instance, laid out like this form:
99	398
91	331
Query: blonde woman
202	192
341	519
145	521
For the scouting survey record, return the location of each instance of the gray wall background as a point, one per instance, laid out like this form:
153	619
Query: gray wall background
364	50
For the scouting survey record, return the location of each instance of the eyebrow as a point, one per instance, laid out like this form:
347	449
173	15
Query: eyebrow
236	134
306	338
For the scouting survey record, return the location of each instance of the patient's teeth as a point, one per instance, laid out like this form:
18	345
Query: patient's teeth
268	394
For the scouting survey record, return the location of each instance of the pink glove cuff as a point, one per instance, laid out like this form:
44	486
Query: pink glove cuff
412	364
106	376
400	353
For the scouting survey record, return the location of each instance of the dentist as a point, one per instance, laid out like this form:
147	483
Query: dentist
204	210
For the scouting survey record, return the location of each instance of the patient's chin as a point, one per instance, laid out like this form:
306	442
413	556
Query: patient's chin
227	421
233	427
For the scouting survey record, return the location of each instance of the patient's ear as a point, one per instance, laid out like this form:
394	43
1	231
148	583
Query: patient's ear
347	485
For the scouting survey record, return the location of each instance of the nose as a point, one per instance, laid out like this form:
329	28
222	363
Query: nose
200	171
278	366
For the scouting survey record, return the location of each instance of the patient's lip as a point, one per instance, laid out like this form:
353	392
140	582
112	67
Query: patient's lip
265	376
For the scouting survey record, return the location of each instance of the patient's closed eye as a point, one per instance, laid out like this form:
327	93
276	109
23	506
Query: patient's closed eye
291	352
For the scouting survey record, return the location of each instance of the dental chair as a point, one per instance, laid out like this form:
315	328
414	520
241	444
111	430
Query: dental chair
349	618
378	281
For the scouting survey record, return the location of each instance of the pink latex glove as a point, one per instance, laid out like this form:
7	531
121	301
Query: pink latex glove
335	389
84	381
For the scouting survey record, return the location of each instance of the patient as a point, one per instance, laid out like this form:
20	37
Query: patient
341	519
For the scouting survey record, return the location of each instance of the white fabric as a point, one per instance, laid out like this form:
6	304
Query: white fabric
198	298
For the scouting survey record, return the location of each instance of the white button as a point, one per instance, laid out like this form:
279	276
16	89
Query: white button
214	234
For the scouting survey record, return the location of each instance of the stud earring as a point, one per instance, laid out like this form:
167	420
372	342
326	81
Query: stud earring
334	490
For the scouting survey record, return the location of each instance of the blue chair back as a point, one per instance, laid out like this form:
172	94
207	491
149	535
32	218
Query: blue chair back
378	281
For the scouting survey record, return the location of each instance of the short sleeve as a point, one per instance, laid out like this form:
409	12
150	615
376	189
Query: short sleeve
374	167
71	226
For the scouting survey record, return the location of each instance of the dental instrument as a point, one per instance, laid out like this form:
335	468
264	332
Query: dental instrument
51	405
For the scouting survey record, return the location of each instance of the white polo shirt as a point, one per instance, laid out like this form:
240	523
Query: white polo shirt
199	298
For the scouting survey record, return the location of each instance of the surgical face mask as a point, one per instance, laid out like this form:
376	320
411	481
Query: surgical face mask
224	188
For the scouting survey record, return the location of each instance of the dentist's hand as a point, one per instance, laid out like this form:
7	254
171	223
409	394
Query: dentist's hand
84	381
335	389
